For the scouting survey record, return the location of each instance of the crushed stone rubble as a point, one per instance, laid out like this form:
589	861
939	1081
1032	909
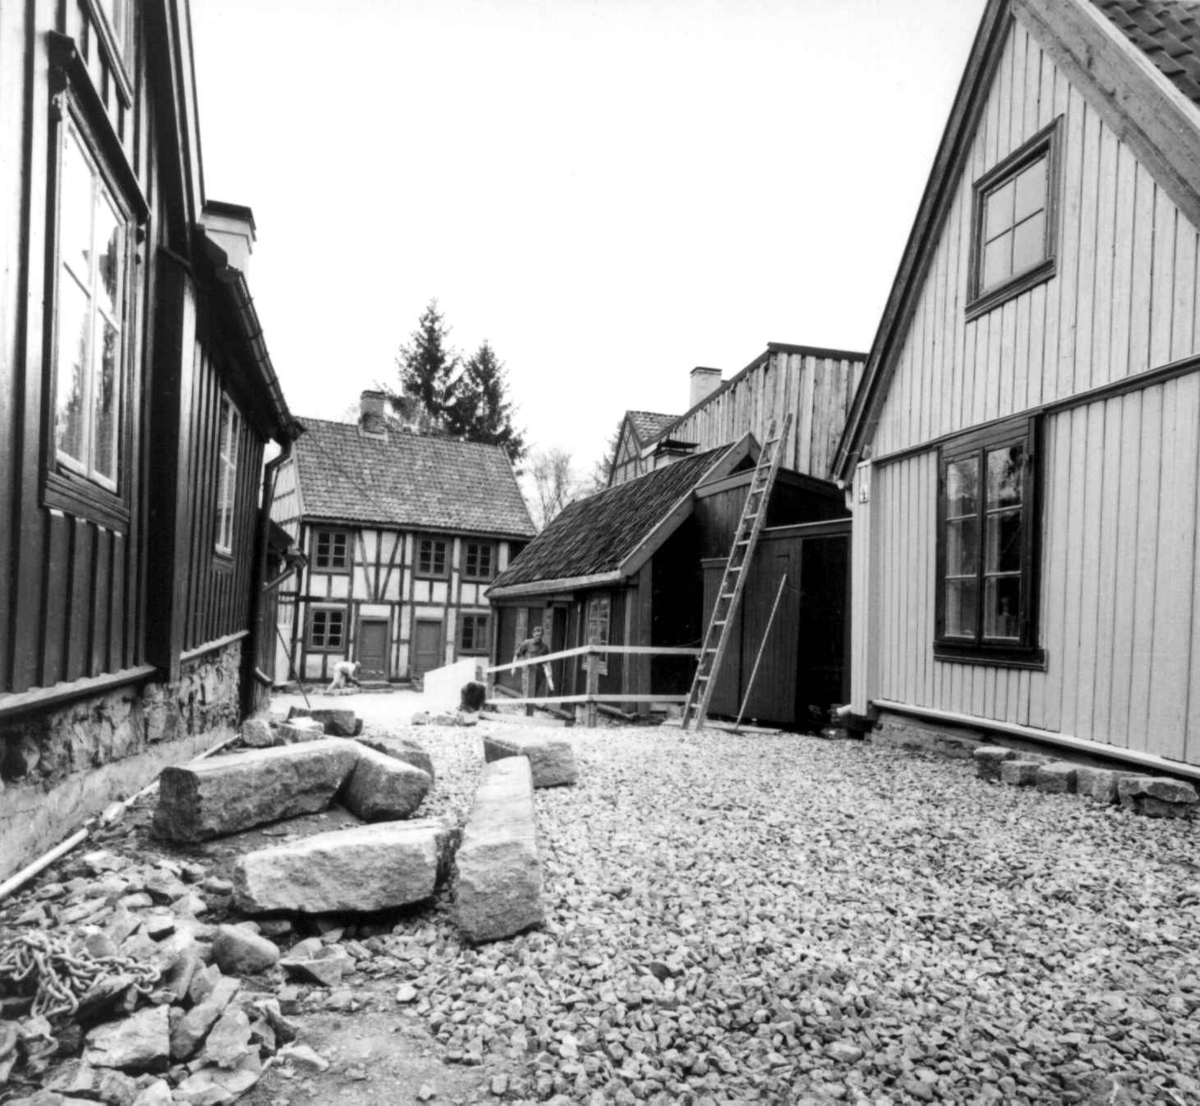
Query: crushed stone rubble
730	918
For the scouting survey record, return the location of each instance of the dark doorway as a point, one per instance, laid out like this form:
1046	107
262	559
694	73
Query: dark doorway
821	655
373	648
427	647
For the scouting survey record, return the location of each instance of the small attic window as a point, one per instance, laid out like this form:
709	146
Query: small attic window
1015	230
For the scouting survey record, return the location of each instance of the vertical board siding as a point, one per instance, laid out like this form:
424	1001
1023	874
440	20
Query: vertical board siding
817	391
68	586
1119	583
1123	299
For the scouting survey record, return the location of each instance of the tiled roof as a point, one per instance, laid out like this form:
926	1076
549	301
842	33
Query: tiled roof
406	479
649	424
1167	32
597	534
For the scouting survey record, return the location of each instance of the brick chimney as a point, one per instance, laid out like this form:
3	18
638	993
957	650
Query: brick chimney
704	383
372	407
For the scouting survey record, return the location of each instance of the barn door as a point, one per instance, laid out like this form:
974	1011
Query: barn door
821	669
373	648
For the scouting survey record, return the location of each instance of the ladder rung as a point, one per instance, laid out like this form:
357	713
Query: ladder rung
720	621
726	595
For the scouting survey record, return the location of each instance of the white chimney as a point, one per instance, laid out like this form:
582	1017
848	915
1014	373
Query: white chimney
704	383
230	226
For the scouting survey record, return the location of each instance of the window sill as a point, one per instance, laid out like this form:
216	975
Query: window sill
331	571
1030	278
77	496
477	579
325	648
431	575
998	656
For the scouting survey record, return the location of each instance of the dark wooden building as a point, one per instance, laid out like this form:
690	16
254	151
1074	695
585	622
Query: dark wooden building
136	401
634	565
403	532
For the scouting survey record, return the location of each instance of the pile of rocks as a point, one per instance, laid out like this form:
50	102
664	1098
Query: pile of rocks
166	1014
1155	796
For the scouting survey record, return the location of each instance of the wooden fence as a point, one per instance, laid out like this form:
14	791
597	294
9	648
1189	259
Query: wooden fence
592	696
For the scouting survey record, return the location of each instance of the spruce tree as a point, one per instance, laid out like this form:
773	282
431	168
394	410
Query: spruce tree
427	367
482	411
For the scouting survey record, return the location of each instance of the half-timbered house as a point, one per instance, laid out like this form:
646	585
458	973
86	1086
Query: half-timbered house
1023	452
403	533
136	399
639	564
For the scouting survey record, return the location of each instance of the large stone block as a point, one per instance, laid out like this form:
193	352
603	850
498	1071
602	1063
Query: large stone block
1097	784
227	794
1157	796
337	723
988	759
1019	773
297	730
366	868
402	748
1056	778
382	788
551	760
498	890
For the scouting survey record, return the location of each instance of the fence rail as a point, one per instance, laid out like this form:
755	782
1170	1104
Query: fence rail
592	697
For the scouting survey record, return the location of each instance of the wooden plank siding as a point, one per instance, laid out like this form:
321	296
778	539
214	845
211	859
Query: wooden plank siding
1120	576
816	390
1124	298
70	587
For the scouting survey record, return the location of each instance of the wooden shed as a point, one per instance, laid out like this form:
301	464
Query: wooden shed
1023	451
629	566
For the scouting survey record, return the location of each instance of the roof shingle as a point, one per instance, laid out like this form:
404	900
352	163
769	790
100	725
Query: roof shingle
408	480
1167	32
649	424
597	534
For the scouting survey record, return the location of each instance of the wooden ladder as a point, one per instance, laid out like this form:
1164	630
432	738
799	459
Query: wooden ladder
733	579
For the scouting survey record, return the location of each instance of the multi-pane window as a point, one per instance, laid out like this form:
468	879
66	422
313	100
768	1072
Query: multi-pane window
93	268
598	612
327	629
986	544
331	551
431	557
473	633
478	560
227	462
1014	223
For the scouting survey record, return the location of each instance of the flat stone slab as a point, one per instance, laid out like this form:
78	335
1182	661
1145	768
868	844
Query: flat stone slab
336	723
498	889
296	730
382	788
402	748
1157	796
366	868
1056	778
552	760
228	794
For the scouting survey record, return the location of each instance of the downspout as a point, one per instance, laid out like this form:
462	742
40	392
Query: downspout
258	609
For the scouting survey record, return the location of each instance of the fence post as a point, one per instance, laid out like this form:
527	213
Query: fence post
593	688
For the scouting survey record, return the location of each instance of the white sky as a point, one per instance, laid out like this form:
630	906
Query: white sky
610	192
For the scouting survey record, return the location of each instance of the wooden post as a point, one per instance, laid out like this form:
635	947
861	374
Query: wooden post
593	688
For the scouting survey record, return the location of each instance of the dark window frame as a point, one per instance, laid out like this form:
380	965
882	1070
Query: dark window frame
490	573
332	532
310	639
482	621
77	106
605	599
1024	651
432	573
1046	143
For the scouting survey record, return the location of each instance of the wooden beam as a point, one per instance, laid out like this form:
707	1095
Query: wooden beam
62	693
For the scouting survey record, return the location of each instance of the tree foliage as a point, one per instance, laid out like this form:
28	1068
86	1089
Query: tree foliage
554	484
427	367
482	411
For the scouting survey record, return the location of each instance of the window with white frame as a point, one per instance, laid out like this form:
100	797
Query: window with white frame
93	269
227	462
598	613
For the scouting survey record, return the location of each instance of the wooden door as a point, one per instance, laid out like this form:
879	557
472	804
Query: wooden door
821	671
427	646
373	648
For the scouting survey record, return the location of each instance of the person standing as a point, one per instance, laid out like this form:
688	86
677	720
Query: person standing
534	675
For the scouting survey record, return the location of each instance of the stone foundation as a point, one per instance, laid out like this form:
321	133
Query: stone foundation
905	732
65	764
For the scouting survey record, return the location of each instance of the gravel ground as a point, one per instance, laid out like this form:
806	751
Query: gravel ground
787	919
